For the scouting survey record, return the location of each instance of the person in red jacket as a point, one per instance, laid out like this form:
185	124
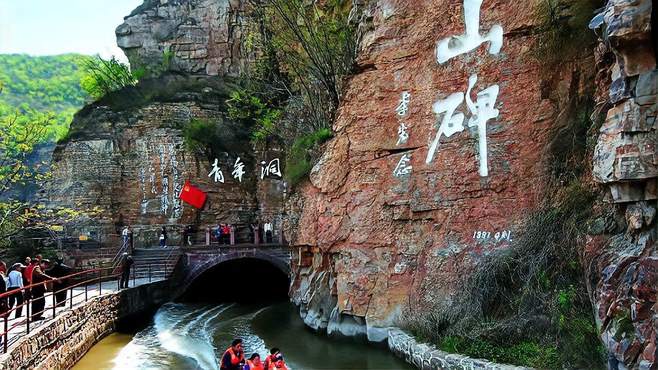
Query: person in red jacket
268	360
278	363
28	270
233	358
226	234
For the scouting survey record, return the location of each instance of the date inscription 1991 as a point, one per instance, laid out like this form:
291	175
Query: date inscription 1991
497	236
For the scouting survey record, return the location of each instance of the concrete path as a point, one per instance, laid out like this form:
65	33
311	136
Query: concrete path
18	326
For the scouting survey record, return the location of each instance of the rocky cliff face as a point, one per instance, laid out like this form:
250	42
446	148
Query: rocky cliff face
195	36
622	249
393	219
440	150
126	153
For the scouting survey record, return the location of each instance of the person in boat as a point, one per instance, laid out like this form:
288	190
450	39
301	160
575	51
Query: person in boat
233	358
268	360
254	363
278	363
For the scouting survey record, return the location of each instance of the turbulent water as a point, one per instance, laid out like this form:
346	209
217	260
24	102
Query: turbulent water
194	336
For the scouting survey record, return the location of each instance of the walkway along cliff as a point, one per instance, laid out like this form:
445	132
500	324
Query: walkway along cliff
461	120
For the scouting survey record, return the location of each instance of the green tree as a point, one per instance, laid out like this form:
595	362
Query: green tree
306	50
45	84
20	135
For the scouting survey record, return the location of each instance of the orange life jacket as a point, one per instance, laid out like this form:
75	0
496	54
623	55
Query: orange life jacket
253	366
268	360
273	366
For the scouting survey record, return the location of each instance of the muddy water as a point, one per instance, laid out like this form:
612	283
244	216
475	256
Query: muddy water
194	336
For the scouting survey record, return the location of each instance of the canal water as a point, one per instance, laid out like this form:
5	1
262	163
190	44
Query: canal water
194	336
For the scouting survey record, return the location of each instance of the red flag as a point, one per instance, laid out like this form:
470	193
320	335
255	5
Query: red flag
193	195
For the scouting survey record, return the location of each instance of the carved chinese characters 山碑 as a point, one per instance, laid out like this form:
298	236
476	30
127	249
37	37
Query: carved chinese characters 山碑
450	119
482	110
453	46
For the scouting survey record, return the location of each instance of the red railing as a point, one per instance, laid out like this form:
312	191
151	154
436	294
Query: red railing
77	288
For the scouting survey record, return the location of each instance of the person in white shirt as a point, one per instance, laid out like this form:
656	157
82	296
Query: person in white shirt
268	232
124	234
15	283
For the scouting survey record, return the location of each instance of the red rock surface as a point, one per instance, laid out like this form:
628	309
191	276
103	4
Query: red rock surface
394	241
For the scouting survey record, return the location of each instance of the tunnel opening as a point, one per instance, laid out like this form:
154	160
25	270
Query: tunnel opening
244	280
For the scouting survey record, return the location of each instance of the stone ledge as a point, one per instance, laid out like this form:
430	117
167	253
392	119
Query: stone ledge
427	357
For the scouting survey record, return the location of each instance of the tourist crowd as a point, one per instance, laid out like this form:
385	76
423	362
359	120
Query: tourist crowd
234	359
34	271
221	234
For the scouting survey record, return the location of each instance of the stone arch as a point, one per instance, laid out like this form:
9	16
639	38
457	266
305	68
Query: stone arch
195	270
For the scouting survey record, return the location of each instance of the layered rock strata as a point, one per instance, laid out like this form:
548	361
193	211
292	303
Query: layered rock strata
621	250
194	36
126	155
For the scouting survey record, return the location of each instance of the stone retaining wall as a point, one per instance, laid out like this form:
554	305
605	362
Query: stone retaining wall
428	357
60	343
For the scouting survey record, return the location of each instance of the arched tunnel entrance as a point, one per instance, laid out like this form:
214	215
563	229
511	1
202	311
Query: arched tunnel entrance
243	280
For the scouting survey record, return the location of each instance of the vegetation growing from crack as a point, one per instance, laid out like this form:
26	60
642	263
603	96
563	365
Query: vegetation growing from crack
563	33
526	304
105	76
291	93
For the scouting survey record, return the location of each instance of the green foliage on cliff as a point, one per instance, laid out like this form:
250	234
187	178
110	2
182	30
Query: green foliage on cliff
200	136
313	45
103	76
44	84
563	32
251	110
527	304
291	93
299	159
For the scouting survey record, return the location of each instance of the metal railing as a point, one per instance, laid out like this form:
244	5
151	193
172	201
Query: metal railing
45	300
116	260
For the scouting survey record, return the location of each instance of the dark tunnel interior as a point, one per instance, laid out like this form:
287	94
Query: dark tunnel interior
245	280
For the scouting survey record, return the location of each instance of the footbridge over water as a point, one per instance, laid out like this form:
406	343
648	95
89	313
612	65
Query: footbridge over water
95	303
